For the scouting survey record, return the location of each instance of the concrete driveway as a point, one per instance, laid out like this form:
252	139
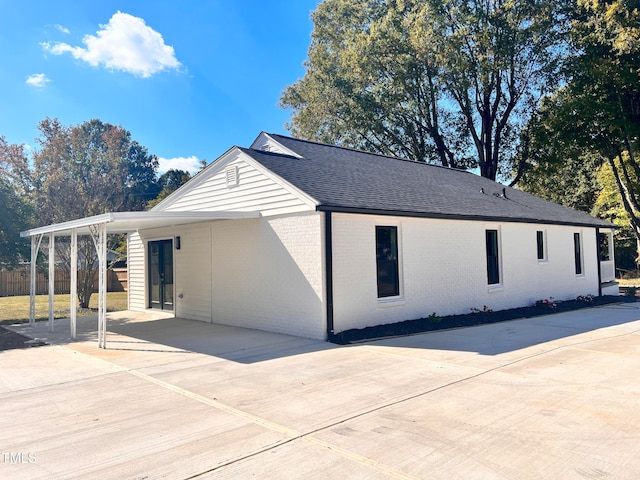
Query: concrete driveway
550	397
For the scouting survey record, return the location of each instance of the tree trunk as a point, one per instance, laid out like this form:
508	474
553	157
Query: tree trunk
627	197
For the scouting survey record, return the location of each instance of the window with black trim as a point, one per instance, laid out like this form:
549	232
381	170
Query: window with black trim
577	253
493	258
387	261
540	245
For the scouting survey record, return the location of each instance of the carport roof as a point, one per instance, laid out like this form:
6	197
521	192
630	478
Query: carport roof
125	222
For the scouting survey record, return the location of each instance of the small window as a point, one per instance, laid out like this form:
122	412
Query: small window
387	262
603	247
493	259
541	246
577	252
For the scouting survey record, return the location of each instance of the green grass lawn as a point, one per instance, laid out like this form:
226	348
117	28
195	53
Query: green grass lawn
14	309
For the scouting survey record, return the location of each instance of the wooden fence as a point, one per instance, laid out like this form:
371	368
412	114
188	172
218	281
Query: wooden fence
18	282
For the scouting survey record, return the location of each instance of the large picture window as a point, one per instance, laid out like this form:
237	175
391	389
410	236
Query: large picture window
387	261
493	258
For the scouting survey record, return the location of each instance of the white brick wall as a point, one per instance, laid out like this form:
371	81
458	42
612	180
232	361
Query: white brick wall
264	273
268	274
443	268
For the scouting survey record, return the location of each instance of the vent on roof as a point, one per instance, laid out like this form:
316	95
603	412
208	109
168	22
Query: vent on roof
231	174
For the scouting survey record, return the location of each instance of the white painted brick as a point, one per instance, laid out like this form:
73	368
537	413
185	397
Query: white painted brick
443	268
268	274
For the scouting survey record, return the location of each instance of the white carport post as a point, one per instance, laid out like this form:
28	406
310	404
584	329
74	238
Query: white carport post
52	276
99	235
35	248
73	288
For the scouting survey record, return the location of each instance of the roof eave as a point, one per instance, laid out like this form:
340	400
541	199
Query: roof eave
449	216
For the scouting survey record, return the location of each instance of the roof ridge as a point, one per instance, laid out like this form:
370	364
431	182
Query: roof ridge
355	150
266	152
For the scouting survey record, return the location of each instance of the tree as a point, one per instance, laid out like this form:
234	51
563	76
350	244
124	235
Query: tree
446	81
14	217
79	171
169	182
15	212
598	111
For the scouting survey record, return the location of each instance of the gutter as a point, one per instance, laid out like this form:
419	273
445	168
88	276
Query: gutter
450	216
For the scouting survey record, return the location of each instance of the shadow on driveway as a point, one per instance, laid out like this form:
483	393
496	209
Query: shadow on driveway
142	332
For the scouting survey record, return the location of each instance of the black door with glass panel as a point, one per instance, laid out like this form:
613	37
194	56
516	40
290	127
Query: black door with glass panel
161	274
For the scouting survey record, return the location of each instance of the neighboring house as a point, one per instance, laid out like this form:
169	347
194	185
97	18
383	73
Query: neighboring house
309	239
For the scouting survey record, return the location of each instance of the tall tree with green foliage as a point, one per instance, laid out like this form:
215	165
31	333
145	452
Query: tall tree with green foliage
597	114
445	81
169	182
79	171
15	212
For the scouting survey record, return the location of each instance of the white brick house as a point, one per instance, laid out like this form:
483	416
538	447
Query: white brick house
309	239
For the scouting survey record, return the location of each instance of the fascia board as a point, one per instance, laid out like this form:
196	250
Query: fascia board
124	222
79	223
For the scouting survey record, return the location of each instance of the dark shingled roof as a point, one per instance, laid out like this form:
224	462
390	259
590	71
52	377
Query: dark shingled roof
342	179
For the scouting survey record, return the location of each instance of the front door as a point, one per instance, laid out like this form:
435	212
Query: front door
161	274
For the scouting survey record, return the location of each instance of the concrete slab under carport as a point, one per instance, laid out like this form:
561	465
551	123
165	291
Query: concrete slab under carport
547	397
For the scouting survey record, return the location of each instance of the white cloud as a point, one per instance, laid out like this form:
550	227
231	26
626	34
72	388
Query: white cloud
190	164
38	80
126	43
62	28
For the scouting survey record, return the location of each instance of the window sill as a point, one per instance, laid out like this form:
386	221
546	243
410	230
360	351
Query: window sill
495	288
391	301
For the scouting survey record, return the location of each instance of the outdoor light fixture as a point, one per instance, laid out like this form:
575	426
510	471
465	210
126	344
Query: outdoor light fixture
177	243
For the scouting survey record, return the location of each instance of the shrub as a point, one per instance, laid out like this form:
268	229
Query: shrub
585	298
484	309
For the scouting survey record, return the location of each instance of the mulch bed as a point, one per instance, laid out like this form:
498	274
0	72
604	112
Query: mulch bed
433	322
10	340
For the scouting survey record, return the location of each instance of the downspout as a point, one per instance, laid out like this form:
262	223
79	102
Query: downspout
598	259
328	259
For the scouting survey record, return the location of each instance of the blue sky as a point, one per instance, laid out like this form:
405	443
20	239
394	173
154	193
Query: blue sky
188	79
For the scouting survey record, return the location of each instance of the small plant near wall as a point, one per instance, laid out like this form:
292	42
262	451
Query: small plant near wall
585	298
484	309
547	303
433	318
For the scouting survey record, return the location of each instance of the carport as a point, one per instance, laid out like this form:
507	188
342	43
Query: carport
98	227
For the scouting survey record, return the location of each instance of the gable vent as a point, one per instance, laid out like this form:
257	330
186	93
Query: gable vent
231	174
